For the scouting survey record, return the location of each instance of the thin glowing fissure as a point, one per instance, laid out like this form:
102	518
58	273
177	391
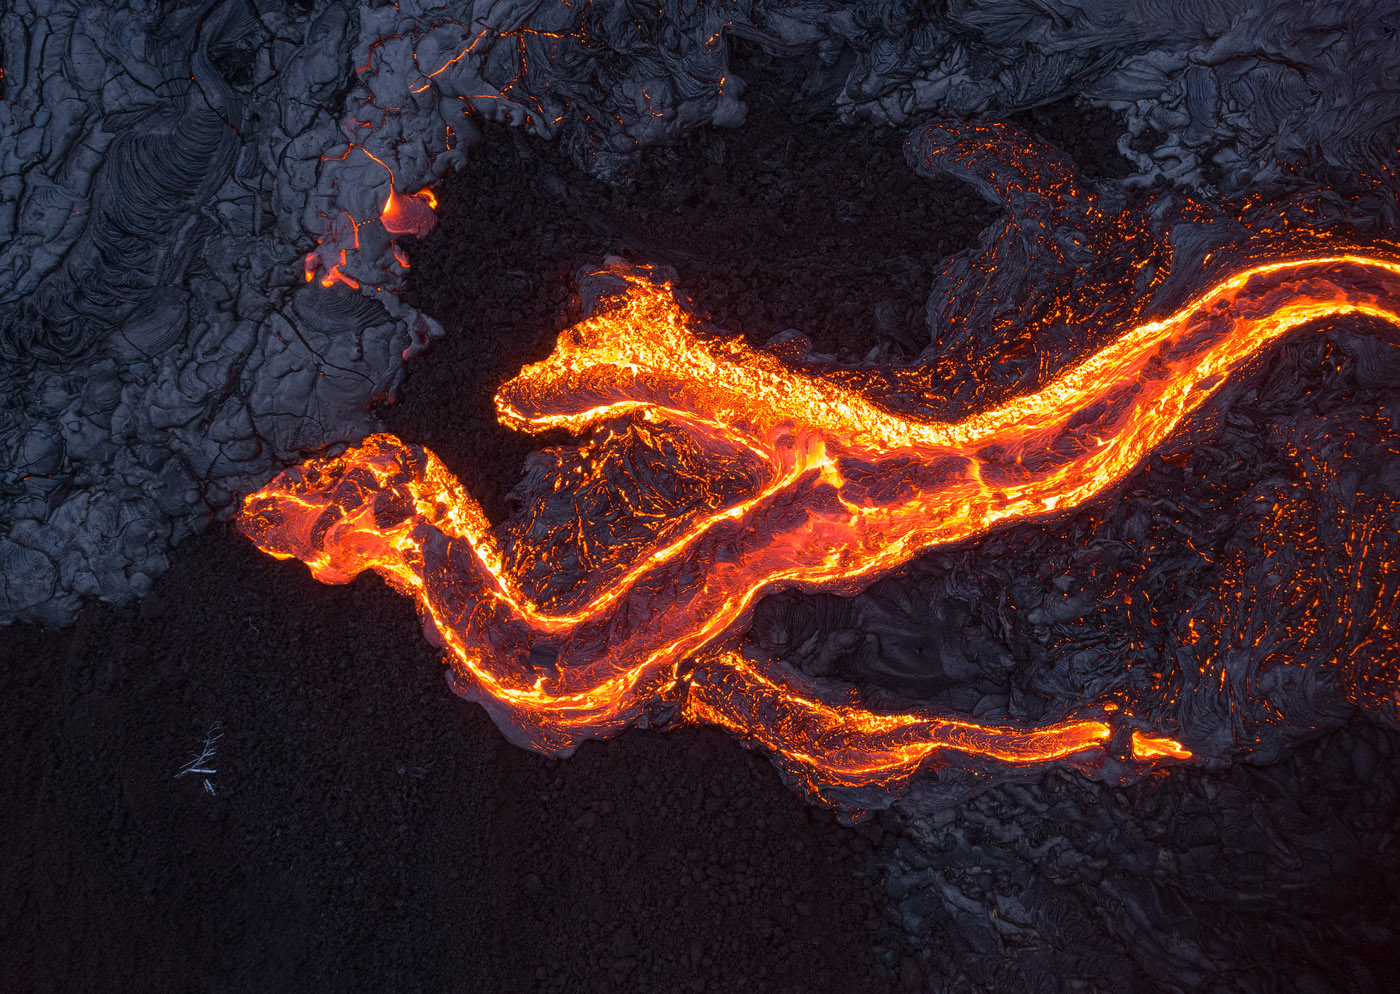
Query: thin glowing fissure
838	491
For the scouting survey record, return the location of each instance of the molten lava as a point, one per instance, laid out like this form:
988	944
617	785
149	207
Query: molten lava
402	214
1147	747
411	214
775	477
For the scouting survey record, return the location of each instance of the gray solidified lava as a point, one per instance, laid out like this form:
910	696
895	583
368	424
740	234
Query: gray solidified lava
162	180
166	169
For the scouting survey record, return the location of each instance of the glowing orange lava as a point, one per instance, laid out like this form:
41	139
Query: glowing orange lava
411	214
1147	747
402	214
822	488
830	745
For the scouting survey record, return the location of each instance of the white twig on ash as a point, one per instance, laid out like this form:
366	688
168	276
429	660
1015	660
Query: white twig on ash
201	763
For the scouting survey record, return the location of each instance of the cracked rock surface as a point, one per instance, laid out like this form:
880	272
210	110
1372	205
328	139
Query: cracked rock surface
169	173
370	832
161	352
170	176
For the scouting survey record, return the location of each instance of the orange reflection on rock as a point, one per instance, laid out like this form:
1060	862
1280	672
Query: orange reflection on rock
823	489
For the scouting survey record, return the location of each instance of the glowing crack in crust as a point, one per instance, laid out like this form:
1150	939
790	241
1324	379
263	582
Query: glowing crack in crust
563	639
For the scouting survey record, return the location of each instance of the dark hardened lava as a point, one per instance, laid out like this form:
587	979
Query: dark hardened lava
371	832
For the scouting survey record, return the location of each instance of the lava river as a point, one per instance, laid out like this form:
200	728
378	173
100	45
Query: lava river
626	606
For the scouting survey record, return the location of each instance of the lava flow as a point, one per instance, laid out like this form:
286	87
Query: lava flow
573	624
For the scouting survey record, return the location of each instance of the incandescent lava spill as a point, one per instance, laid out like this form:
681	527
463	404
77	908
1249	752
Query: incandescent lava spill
711	472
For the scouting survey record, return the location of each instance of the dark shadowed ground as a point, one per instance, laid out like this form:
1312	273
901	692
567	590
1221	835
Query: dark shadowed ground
369	830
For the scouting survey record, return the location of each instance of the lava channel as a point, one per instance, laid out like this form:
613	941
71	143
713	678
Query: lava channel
821	488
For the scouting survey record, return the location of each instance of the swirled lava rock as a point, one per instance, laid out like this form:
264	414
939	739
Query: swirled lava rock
919	579
167	176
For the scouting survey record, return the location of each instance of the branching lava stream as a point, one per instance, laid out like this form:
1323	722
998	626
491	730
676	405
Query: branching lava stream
781	478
